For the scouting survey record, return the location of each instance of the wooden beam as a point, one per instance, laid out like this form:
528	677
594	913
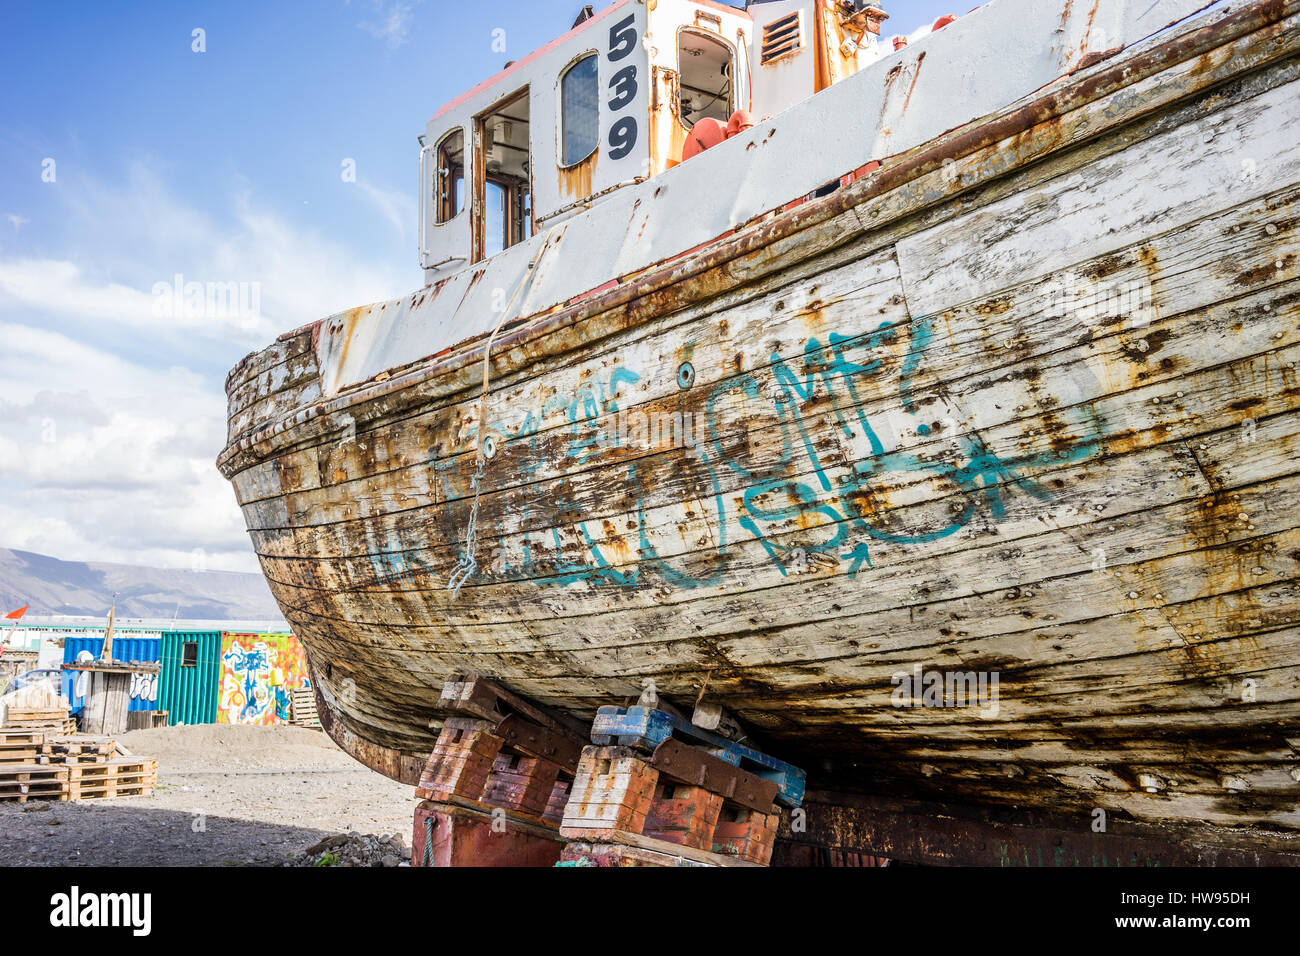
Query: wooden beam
542	742
471	694
686	764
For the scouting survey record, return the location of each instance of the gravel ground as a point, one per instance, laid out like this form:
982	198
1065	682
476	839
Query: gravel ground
226	796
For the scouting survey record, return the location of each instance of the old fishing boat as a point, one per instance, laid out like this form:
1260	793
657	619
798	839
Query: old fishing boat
931	406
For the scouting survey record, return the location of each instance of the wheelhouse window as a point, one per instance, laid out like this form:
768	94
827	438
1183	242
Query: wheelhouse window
504	200
450	173
579	110
705	88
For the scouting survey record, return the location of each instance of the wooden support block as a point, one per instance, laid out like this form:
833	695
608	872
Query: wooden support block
554	812
476	696
461	760
461	836
746	834
471	696
612	790
683	814
646	729
522	783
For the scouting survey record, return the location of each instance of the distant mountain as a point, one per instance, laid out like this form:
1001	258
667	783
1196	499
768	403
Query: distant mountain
52	586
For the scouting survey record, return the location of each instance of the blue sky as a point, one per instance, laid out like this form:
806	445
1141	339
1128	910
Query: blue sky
127	158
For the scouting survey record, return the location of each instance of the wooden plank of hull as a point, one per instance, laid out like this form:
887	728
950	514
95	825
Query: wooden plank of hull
398	531
417	561
297	369
1100	669
1231	517
1131	484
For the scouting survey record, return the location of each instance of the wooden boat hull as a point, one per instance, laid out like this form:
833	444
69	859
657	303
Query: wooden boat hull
1020	404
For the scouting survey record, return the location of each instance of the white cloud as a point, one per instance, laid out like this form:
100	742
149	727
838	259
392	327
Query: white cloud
158	265
392	23
398	208
118	464
112	416
60	287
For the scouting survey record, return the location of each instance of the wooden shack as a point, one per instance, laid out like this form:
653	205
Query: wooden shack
109	695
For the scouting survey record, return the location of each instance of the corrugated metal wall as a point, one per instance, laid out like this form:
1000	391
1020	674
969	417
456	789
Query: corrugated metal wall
189	694
144	687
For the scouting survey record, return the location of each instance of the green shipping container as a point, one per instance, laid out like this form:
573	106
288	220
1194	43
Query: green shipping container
190	677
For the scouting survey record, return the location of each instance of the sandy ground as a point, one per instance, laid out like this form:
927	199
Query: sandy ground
226	796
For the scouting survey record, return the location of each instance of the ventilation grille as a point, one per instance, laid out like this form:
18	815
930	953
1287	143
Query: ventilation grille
782	37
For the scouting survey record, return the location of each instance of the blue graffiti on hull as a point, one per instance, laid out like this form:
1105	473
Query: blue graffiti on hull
829	501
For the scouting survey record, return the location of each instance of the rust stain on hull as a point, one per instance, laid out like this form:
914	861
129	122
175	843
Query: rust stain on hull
576	181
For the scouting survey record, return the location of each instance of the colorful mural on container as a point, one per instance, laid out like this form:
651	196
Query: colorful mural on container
258	672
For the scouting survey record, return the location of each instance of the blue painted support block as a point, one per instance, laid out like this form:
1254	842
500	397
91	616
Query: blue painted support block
647	729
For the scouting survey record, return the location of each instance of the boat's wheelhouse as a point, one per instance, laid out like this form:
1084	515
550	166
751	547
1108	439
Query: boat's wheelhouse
614	102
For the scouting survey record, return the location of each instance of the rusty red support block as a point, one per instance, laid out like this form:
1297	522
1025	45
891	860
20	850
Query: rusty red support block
521	783
683	814
461	760
554	812
746	834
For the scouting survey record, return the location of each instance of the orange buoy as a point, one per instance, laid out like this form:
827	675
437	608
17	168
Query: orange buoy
943	21
739	122
706	133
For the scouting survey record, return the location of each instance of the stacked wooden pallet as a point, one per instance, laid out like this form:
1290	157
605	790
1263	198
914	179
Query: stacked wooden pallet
36	765
77	748
23	782
302	708
20	746
55	719
116	777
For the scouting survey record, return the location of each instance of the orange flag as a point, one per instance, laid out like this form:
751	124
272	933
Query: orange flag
15	615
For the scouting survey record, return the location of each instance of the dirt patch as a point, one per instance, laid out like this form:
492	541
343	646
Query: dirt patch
223	747
226	795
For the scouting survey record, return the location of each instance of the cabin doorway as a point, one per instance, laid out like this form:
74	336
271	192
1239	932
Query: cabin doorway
503	200
704	78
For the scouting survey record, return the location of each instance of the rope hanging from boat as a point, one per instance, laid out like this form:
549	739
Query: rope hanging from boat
468	564
428	840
